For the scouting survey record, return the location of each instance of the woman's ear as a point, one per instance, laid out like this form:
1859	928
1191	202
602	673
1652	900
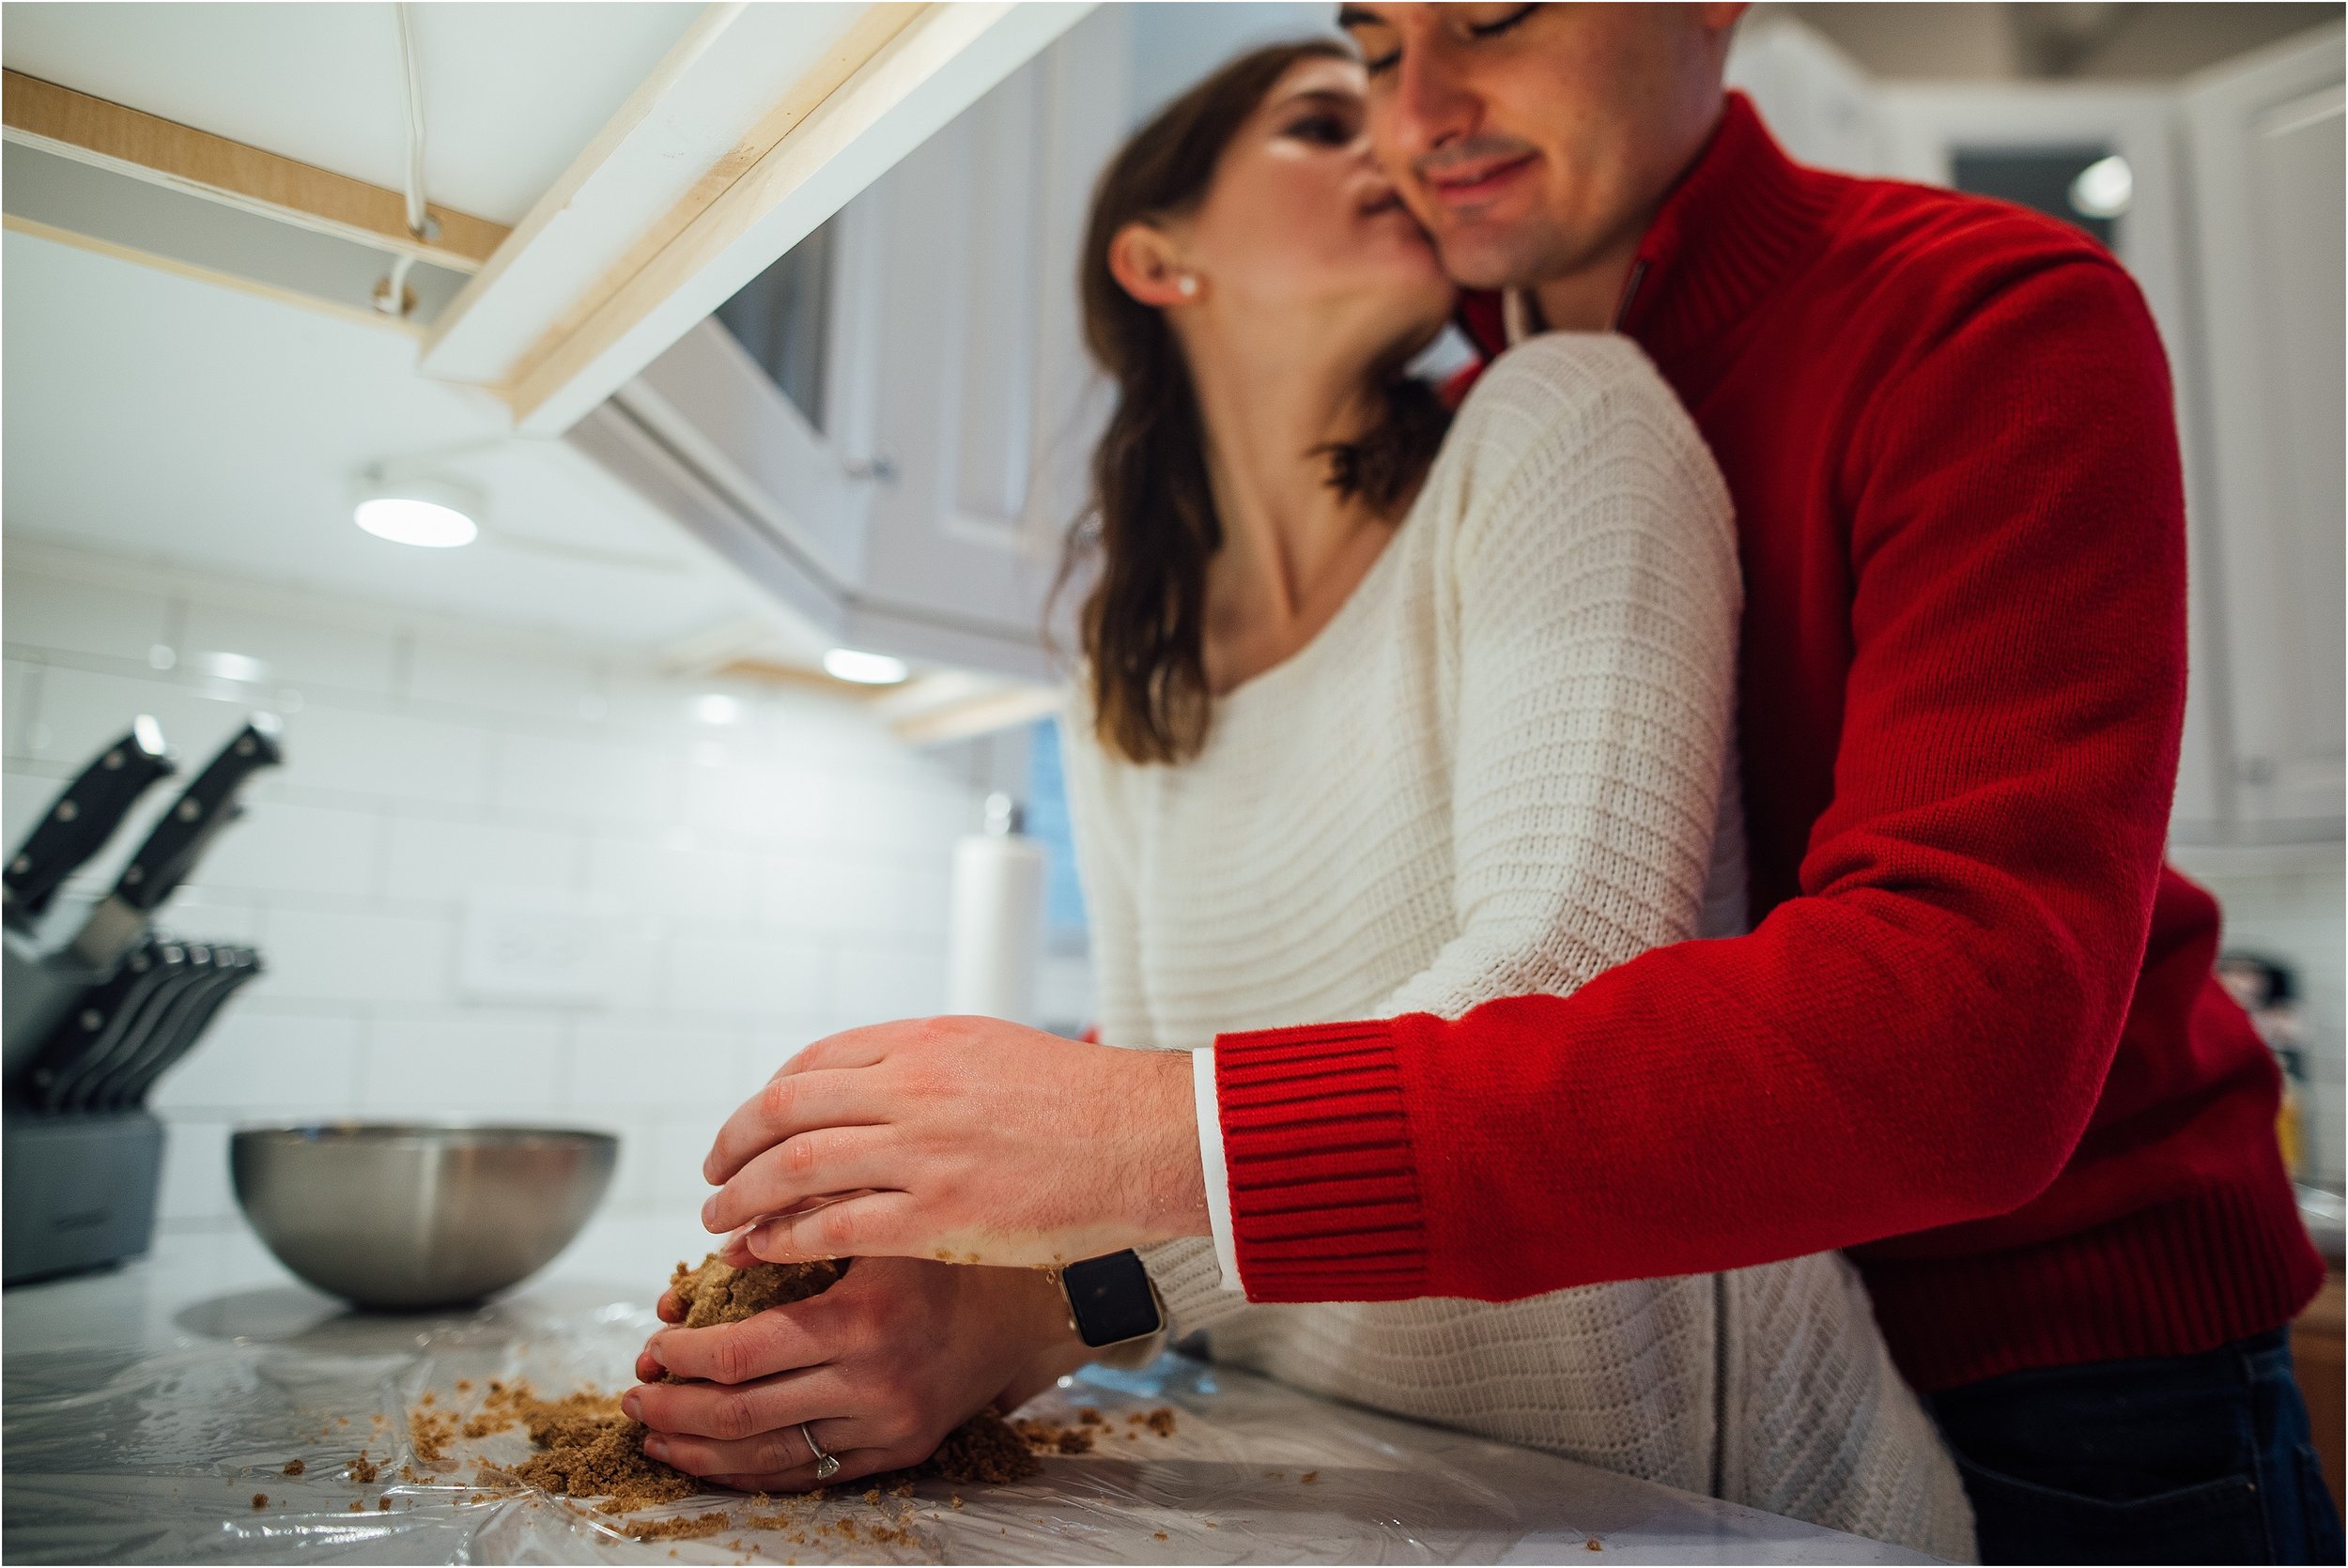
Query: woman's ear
1142	260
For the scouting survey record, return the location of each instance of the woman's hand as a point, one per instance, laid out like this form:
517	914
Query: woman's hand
880	1367
968	1139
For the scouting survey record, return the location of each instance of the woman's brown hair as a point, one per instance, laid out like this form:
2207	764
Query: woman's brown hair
1152	523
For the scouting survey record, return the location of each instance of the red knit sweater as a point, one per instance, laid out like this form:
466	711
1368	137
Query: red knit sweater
1973	1037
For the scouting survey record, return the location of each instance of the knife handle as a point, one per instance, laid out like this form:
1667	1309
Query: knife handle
83	819
207	805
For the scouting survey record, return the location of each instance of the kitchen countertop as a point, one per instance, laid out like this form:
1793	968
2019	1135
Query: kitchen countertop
145	1408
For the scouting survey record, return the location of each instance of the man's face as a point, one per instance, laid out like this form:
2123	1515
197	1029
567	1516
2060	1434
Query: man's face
1536	140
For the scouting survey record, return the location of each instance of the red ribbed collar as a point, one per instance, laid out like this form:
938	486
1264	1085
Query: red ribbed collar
1741	218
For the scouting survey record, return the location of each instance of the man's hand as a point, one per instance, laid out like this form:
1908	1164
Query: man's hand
881	1367
966	1139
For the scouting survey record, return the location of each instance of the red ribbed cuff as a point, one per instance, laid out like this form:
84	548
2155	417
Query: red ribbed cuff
1324	1193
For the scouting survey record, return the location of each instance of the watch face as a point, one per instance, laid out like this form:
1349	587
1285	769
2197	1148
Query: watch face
1110	1297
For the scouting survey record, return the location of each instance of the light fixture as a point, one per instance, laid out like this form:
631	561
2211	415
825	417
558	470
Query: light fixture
717	708
2104	189
865	669
431	513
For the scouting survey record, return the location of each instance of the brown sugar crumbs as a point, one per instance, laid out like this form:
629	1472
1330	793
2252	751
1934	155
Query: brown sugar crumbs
716	1293
364	1470
587	1447
1051	1437
260	1499
295	1467
984	1449
689	1528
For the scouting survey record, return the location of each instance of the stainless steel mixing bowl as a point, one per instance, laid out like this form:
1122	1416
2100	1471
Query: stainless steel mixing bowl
405	1217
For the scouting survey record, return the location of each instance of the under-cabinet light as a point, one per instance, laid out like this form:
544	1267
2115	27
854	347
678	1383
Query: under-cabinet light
865	669
431	514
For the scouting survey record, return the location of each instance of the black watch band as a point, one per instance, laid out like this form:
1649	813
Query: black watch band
1110	1299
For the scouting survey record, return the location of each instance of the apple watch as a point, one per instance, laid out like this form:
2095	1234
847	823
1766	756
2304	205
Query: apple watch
1110	1299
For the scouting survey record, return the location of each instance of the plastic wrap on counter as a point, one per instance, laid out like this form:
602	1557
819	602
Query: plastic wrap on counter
181	1456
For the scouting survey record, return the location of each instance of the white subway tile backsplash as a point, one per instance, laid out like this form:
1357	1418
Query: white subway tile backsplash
266	1065
80	710
631	1171
297	651
344	956
639	967
674	1180
676	872
20	703
802	806
544	776
278	848
876	982
661	1068
772	973
868	895
213	914
771	1045
24	799
434	857
740	798
68	615
470	1067
393	756
196	1186
442	669
775	879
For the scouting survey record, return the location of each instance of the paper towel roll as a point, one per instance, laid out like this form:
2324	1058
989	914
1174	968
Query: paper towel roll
997	933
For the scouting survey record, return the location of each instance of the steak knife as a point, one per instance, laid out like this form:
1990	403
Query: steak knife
81	820
171	850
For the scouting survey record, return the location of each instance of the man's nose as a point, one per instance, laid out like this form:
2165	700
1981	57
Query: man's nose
1432	105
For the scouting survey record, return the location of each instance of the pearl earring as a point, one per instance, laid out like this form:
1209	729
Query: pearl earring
1188	284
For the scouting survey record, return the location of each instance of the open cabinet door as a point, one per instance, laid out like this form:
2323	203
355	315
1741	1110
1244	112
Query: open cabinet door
2264	154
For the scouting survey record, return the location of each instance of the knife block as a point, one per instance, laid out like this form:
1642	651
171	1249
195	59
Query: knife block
79	1190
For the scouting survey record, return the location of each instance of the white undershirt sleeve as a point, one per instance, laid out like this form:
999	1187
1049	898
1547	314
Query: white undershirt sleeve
1210	1160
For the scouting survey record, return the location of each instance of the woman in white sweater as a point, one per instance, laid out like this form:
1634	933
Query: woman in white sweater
1346	751
1364	729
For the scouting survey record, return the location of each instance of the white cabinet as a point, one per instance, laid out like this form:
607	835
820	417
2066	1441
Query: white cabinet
920	511
2264	156
979	382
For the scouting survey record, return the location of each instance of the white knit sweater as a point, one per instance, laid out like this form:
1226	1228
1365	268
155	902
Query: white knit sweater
1498	769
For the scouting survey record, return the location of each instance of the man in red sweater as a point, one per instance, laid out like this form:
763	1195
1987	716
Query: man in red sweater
1974	1037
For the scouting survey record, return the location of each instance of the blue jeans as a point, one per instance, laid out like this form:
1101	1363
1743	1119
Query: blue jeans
2172	1459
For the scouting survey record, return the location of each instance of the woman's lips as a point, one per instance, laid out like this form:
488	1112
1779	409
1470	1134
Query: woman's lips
1479	183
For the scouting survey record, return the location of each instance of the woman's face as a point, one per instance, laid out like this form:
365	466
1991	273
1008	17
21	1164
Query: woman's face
1300	220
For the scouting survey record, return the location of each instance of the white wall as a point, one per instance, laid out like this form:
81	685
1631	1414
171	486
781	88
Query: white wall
780	877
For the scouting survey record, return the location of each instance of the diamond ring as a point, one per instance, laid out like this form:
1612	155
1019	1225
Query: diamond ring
827	1465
